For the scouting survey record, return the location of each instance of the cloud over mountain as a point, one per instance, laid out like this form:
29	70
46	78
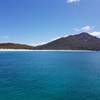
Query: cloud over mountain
95	33
85	29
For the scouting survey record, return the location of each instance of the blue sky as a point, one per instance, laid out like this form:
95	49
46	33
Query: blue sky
35	22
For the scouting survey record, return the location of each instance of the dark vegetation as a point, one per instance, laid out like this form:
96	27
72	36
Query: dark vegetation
15	46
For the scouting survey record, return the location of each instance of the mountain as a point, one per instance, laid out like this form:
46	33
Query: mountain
15	46
82	41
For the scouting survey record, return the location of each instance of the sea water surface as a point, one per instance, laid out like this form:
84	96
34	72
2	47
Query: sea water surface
48	75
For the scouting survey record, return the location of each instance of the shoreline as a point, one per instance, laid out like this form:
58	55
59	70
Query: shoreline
48	50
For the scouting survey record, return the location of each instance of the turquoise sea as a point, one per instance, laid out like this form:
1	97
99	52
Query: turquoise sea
49	75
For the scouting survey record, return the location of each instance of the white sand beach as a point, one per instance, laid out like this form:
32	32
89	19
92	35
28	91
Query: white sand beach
15	50
46	50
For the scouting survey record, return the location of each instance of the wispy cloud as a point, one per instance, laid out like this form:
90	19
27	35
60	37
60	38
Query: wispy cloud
95	33
4	37
85	29
71	1
58	37
55	38
76	29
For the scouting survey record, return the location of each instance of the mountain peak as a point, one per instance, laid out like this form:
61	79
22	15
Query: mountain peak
84	34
